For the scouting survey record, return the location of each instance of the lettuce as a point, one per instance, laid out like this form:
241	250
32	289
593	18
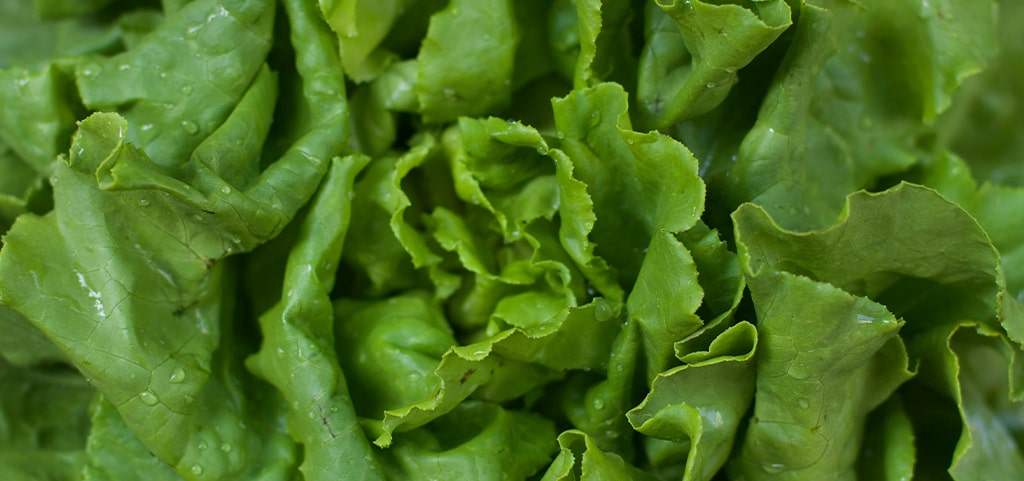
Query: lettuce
493	240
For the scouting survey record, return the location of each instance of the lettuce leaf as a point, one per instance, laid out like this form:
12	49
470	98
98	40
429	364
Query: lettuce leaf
511	240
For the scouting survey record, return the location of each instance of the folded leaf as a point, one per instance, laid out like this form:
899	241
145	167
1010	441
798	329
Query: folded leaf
581	459
298	356
694	50
700	420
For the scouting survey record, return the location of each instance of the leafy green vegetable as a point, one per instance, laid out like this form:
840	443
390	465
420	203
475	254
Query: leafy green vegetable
496	240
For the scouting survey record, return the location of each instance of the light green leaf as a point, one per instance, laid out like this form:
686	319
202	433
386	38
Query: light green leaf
605	43
694	50
154	84
699	406
143	304
636	219
476	441
407	337
39	114
298	356
858	84
581	459
466	61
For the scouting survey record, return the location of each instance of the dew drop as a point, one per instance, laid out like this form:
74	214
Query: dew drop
225	447
187	90
560	135
598	404
148	398
202	445
177	375
799	371
189	399
225	190
774	468
91	70
803	403
144	202
189	126
602	311
197	469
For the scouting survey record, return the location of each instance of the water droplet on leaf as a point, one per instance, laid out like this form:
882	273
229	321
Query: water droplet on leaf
148	398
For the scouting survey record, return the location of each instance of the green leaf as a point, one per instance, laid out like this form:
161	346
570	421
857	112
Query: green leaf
43	422
466	61
826	359
579	458
297	356
407	338
392	240
144	304
855	89
29	41
983	124
888	452
114	452
993	205
605	43
694	50
958	362
361	27
882	249
700	420
477	441
155	85
663	198
39	114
